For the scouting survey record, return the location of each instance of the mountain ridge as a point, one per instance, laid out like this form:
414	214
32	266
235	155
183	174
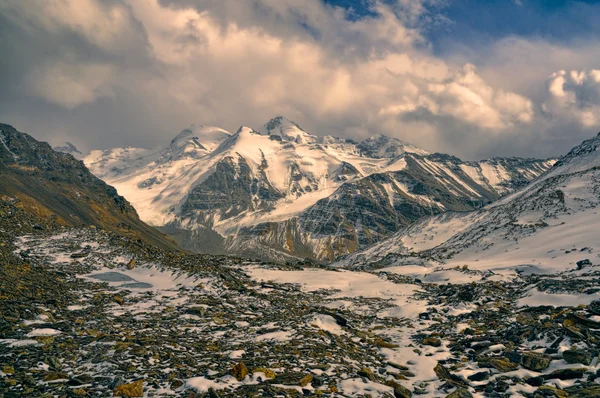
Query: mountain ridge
259	192
541	226
54	184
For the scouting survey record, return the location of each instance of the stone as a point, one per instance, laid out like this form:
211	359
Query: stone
118	299
582	263
239	371
399	390
306	380
367	373
441	372
594	307
460	393
131	264
268	372
432	341
130	390
566	374
479	376
53	376
535	381
503	364
578	356
535	361
547	391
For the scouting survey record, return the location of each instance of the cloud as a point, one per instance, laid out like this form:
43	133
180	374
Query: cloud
68	84
134	72
255	73
574	95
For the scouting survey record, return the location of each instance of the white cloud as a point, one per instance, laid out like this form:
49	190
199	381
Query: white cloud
165	64
248	73
574	95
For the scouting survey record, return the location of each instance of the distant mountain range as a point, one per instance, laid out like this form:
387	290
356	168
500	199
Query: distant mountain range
283	194
54	185
547	226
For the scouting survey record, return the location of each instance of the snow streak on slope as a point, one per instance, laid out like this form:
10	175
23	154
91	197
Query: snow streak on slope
284	193
547	226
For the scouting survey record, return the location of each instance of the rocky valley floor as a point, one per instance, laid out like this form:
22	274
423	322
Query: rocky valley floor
84	314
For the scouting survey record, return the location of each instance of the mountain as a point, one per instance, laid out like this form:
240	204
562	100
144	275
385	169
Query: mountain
281	193
70	149
56	185
546	226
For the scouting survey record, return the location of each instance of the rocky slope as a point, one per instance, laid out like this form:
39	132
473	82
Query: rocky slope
547	225
283	194
85	313
56	185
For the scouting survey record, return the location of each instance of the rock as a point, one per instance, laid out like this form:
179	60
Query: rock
340	320
460	393
594	307
441	372
399	390
479	376
583	263
367	373
503	364
80	380
526	318
52	376
239	371
566	374
535	381
535	361
581	321
130	390
547	391
432	341
118	299
317	381
131	264
588	391
292	379
381	343
306	380
268	372
578	356
397	366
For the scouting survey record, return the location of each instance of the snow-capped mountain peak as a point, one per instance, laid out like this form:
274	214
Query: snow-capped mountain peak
70	149
545	226
585	155
288	131
207	138
284	192
382	146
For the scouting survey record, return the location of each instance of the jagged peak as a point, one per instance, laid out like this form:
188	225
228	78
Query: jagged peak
200	137
585	154
246	130
280	122
288	131
69	148
383	146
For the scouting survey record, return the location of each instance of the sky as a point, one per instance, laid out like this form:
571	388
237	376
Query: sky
470	78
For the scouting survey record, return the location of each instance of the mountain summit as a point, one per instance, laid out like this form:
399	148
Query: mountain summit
282	193
70	149
544	227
